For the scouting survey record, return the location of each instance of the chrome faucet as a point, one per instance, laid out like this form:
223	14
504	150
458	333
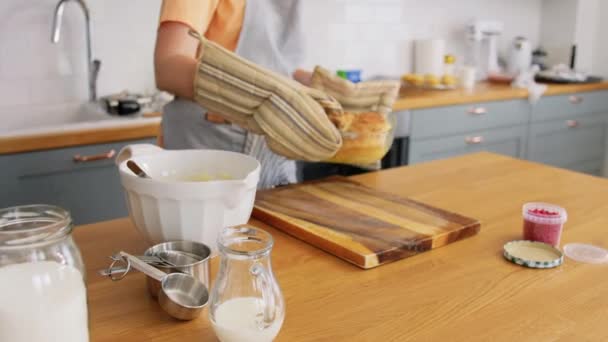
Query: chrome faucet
93	66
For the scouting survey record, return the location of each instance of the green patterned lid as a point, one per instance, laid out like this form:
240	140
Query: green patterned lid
533	254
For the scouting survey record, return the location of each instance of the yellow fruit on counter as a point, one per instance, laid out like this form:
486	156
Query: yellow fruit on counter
431	80
414	79
448	80
409	78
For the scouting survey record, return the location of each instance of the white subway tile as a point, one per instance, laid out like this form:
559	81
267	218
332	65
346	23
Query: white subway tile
342	32
358	14
388	14
59	90
374	35
14	92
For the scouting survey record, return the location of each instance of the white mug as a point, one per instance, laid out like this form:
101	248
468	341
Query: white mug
467	77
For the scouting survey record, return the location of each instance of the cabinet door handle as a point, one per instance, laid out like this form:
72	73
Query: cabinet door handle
101	156
572	123
478	111
575	99
474	140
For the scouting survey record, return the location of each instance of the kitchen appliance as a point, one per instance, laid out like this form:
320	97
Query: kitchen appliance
520	56
482	40
361	225
429	57
539	57
190	195
562	73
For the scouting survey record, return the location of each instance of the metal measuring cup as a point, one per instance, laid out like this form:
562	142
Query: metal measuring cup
188	257
181	295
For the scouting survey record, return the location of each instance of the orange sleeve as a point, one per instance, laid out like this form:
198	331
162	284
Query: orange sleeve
197	14
226	24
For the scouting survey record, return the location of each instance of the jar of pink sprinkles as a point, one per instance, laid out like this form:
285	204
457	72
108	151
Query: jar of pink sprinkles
544	222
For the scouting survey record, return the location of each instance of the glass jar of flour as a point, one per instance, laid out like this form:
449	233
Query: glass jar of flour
42	288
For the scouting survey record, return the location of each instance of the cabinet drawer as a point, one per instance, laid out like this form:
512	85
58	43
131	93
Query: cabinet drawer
451	120
564	106
565	143
38	163
508	141
594	167
90	190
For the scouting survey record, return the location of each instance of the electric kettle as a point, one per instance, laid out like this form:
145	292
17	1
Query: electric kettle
520	56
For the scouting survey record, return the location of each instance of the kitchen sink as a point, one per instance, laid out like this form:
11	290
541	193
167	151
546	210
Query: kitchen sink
62	118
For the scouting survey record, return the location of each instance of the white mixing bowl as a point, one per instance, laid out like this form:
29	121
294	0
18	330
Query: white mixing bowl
171	206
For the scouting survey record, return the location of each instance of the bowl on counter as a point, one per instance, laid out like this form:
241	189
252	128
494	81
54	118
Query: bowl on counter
190	194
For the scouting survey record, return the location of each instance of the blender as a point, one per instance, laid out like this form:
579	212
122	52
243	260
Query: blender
482	37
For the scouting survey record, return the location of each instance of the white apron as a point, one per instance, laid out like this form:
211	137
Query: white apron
271	37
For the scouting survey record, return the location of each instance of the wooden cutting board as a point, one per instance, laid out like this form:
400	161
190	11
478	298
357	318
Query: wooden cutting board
358	224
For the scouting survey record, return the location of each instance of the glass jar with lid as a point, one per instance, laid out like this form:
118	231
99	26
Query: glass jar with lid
42	287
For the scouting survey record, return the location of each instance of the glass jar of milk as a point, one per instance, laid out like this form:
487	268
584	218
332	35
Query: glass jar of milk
42	289
246	302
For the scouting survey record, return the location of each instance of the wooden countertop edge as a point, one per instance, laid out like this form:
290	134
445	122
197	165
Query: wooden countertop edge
419	99
409	99
38	142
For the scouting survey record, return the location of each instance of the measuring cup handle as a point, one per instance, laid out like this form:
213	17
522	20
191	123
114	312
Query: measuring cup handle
143	267
264	282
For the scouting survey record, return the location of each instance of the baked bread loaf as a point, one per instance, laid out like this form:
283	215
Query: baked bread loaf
366	125
366	137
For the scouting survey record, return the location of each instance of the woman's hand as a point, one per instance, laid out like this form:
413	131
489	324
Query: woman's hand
175	59
303	76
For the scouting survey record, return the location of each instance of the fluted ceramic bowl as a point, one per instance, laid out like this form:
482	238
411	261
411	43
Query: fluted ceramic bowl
190	195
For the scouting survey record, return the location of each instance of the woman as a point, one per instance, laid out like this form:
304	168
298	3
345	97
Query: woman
266	32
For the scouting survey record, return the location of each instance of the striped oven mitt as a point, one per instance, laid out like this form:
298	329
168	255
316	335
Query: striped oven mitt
365	124
294	118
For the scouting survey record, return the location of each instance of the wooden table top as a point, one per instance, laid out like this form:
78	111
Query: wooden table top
416	98
464	291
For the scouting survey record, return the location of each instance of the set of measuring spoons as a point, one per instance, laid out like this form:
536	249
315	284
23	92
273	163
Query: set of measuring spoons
161	259
177	275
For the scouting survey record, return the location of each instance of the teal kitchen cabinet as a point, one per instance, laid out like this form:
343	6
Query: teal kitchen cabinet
570	106
509	141
578	143
89	189
450	120
443	132
567	131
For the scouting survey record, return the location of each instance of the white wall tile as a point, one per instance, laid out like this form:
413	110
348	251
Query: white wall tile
398	22
357	14
387	13
14	92
374	35
58	90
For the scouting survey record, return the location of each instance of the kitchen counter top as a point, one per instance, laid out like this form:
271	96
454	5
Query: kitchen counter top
415	98
83	133
462	292
410	98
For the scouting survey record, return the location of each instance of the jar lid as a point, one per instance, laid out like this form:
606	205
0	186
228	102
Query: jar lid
533	254
30	225
585	253
544	213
